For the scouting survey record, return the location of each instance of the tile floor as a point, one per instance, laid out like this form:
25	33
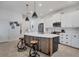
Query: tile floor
9	49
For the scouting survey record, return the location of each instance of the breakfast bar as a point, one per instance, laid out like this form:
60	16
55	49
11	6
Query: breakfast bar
48	43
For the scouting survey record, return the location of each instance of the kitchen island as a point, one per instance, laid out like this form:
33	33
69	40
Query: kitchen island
48	43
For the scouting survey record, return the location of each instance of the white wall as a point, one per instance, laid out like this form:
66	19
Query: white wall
4	18
6	33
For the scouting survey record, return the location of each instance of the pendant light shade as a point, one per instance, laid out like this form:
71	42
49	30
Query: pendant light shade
27	19
34	14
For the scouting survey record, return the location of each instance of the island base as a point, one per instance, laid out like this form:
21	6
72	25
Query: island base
46	45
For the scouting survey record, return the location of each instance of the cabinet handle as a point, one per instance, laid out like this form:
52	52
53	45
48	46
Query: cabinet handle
66	42
74	35
66	38
61	41
66	35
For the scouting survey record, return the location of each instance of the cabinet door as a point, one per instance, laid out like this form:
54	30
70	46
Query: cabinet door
61	38
75	41
55	43
66	20
68	38
75	19
44	45
70	19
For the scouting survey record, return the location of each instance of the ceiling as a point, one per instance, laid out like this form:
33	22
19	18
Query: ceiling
42	7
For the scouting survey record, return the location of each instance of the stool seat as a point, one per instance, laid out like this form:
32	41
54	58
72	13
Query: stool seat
34	48
34	42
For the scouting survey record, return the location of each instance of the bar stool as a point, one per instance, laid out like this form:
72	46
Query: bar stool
21	45
34	49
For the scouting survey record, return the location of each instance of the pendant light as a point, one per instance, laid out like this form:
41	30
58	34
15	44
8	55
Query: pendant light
34	14
27	19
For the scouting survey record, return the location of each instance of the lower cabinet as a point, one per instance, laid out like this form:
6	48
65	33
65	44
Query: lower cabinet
55	44
70	39
75	41
44	45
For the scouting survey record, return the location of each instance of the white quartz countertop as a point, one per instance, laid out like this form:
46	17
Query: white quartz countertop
41	35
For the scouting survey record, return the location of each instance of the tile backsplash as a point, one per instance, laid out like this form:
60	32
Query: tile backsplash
49	29
58	29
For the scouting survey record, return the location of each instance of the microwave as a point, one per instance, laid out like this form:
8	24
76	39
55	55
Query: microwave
57	24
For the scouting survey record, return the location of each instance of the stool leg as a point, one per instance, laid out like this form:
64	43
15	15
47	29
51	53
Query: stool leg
38	54
30	53
34	53
21	45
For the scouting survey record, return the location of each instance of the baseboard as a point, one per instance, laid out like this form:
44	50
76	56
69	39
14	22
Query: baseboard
8	40
70	46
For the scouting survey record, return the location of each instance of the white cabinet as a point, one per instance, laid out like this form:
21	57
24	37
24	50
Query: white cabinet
66	20
65	39
70	19
62	38
70	39
75	41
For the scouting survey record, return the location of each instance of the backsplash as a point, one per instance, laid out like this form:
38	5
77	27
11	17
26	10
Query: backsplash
52	29
58	29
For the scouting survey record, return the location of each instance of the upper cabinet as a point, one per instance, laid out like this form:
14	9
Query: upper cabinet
56	17
70	19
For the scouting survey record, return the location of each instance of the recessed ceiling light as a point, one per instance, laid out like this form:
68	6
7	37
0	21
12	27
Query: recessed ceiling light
50	9
40	5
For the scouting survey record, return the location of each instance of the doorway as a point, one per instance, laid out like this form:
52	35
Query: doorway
41	28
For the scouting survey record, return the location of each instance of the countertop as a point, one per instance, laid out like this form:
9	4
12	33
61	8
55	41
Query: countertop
36	34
